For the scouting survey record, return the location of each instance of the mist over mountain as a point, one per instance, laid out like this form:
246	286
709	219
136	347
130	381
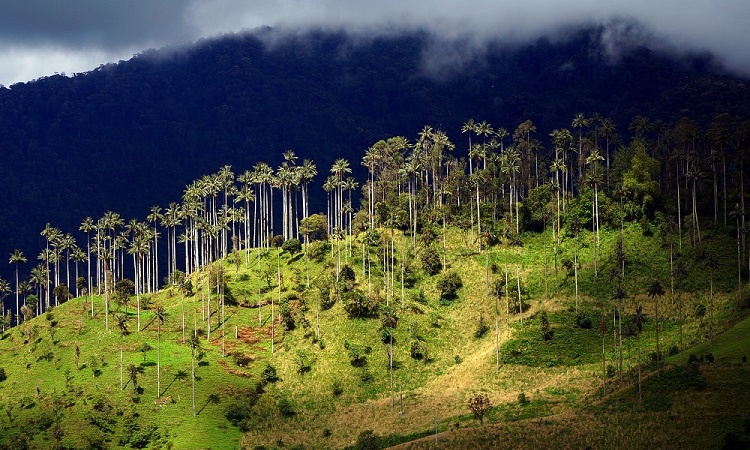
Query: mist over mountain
130	135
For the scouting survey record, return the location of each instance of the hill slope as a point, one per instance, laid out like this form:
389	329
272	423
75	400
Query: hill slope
332	374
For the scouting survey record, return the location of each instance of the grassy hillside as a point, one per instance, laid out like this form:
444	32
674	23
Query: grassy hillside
334	384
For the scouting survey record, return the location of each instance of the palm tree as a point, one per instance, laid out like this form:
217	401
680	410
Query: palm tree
122	325
580	121
17	257
87	226
680	272
654	291
161	316
712	263
155	216
195	348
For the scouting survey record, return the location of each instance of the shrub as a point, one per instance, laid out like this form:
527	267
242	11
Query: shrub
3	376
522	399
367	440
286	408
673	350
336	388
431	261
240	358
269	374
357	304
418	349
292	246
480	405
317	250
357	353
583	320
448	284
544	327
482	327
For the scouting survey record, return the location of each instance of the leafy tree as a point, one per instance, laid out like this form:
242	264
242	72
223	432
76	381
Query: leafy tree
62	294
357	304
431	261
449	284
292	246
314	227
480	405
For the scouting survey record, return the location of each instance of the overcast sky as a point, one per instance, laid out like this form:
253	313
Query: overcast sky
42	37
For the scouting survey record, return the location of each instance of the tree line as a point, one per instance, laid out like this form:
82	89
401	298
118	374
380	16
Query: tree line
500	184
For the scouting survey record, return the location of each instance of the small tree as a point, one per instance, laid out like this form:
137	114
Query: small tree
292	246
448	284
431	261
544	326
480	405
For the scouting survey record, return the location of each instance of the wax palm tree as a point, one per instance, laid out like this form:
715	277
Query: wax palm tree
17	257
78	256
712	263
161	315
195	352
122	325
339	168
154	217
608	130
655	292
87	226
680	272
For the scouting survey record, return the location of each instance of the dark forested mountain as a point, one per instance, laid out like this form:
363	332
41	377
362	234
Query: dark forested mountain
130	135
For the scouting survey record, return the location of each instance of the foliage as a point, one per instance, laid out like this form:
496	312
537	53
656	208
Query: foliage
480	405
292	246
62	294
431	262
269	375
317	250
448	284
314	227
357	304
367	440
482	327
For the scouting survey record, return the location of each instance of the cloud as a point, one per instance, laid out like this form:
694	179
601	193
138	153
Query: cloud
46	36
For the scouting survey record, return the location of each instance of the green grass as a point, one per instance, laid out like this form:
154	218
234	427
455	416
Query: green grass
45	389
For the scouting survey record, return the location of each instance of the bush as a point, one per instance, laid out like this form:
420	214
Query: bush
367	440
431	261
482	327
544	327
448	284
418	349
241	359
269	374
583	320
286	408
336	388
3	376
480	405
522	399
357	304
317	250
673	350
357	353
292	246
